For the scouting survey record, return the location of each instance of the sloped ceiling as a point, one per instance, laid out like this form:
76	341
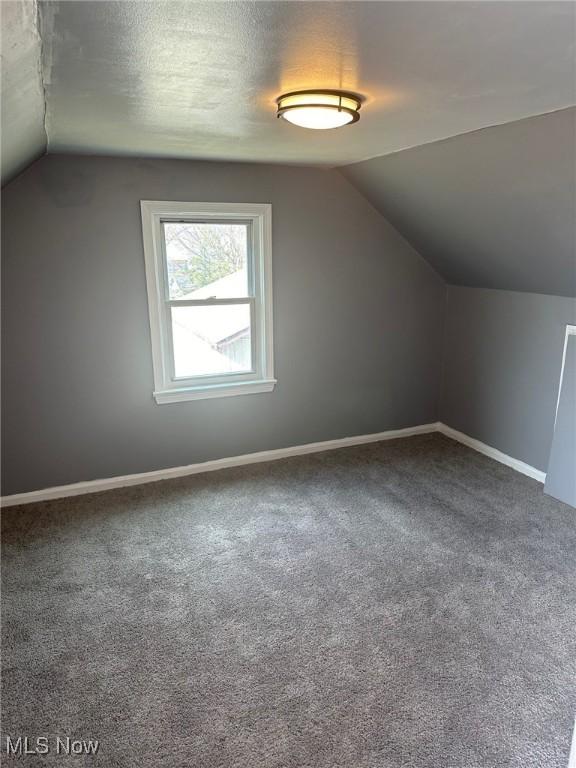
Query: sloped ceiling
491	209
23	135
199	79
488	208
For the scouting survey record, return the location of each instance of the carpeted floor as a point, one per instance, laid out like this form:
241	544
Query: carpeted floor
408	603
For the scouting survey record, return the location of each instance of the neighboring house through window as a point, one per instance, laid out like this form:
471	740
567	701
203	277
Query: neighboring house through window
209	279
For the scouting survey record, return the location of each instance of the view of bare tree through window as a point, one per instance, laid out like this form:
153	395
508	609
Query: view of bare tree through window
206	261
201	253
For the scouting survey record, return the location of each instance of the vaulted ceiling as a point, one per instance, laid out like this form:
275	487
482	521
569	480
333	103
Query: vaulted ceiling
198	80
493	209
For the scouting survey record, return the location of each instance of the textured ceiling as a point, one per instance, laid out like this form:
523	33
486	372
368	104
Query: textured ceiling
23	134
491	209
188	79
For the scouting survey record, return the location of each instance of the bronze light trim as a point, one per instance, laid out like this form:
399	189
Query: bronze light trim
326	100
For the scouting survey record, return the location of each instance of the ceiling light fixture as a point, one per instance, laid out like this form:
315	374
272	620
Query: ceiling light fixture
319	109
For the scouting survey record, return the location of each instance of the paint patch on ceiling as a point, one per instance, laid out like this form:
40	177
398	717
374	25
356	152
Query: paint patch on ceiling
23	134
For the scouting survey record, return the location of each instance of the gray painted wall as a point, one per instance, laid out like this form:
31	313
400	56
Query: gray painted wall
358	321
561	475
502	359
490	209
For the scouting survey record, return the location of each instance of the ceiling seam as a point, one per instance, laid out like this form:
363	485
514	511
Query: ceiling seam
41	71
392	226
457	135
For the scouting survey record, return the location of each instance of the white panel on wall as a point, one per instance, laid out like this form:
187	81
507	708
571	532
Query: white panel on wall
561	475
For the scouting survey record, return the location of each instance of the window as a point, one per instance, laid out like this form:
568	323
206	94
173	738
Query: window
208	273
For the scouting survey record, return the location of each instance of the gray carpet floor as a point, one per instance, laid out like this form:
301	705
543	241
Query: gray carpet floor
403	604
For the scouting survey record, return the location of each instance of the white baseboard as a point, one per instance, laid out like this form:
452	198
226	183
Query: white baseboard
123	481
493	453
93	486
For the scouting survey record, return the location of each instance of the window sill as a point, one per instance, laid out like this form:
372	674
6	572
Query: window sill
214	390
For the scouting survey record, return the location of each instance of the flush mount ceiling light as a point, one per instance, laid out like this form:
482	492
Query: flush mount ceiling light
319	109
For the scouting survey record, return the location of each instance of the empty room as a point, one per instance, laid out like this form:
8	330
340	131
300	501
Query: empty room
288	335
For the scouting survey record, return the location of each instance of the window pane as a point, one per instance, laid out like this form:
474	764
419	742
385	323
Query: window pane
206	260
211	340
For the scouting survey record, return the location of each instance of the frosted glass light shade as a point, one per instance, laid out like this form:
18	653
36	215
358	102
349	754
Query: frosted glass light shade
319	109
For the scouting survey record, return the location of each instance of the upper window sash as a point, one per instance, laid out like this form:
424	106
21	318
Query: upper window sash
250	256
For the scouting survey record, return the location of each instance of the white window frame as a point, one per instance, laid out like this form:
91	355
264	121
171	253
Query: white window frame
168	388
